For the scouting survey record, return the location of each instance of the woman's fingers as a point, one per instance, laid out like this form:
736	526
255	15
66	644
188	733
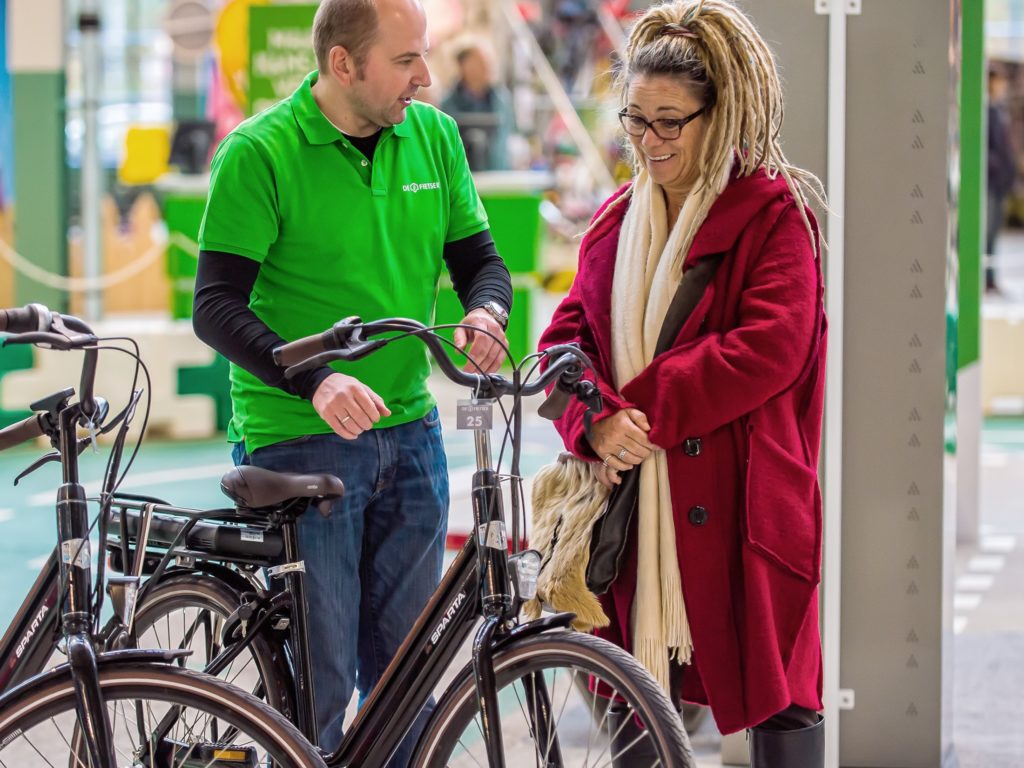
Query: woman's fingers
639	418
636	448
623	438
608	477
612	461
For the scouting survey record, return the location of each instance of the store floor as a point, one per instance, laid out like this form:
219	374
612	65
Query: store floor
989	597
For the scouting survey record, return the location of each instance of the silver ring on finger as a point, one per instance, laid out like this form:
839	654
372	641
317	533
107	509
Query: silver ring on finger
605	459
621	454
347	418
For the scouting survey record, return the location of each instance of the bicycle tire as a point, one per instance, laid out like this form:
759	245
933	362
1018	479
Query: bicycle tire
453	736
199	603
38	721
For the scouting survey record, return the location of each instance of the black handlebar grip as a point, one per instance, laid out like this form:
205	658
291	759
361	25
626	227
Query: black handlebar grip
294	352
555	404
16	434
33	317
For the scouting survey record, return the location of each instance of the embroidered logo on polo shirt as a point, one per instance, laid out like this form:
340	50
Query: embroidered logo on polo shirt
418	187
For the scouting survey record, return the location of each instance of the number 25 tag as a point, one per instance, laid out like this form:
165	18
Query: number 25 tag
474	414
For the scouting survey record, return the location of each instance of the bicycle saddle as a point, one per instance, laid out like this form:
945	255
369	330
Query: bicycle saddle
253	487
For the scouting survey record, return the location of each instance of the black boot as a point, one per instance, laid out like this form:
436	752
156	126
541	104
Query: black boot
624	731
798	748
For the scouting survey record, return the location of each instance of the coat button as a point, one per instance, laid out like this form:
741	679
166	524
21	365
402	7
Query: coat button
692	446
698	515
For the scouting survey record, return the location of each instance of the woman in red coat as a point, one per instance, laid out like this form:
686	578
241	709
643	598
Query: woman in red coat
717	595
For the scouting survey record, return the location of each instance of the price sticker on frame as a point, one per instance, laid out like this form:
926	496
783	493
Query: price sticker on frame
474	414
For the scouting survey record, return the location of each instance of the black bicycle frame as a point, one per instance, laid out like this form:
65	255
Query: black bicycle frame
76	575
475	584
404	688
31	637
67	574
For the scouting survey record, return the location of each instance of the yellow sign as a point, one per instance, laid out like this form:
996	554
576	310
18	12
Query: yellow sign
232	36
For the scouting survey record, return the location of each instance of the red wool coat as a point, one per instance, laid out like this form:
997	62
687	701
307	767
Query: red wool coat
737	403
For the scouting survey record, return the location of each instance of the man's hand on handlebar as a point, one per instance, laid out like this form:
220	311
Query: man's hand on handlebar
348	406
487	352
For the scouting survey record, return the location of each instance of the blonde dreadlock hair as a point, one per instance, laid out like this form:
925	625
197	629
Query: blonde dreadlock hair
712	47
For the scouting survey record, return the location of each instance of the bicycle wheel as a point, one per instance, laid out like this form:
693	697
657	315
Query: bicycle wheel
161	717
633	724
188	611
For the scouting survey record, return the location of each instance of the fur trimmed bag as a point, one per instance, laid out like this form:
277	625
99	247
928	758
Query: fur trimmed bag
567	501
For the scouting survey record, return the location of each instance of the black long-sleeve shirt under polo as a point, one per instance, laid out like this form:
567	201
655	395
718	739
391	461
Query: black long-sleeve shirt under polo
222	317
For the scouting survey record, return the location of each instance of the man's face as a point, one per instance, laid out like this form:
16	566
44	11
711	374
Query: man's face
395	67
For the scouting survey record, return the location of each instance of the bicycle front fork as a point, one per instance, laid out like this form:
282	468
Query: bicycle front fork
92	712
497	604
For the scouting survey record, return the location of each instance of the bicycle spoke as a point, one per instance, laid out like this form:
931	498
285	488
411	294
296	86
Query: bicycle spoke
593	710
605	727
113	726
529	723
633	743
536	743
552	726
124	716
470	753
36	749
71	750
238	674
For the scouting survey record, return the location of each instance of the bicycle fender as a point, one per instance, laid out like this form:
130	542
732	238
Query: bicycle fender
154	655
556	621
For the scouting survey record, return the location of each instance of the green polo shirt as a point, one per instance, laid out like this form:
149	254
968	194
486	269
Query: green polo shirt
337	235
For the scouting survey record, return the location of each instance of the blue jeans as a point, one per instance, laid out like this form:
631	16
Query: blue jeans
372	564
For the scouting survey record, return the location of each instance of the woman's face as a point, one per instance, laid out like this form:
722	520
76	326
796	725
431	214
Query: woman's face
672	163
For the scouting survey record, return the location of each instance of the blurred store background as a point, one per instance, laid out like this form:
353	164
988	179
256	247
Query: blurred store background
104	151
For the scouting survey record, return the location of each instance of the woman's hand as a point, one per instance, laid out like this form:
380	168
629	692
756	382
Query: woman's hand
607	476
621	441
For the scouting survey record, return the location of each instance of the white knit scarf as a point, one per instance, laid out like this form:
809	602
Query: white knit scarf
642	289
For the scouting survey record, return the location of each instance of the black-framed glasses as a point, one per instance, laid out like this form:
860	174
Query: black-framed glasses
664	128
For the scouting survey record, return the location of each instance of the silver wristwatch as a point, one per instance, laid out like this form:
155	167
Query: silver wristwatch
498	312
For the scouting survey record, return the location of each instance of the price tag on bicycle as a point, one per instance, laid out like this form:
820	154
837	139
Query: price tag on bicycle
474	414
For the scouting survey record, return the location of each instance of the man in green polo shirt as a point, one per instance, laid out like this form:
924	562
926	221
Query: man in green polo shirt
348	199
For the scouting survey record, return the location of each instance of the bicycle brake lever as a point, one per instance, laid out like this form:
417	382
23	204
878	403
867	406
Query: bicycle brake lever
590	394
52	456
54	340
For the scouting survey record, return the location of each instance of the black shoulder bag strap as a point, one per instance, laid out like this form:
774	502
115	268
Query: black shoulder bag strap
611	530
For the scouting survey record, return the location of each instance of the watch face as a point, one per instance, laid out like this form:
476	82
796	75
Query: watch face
498	312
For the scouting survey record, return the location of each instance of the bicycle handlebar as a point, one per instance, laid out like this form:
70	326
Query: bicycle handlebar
36	324
349	339
32	317
18	433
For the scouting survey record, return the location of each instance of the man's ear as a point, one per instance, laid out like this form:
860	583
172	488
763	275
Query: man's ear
341	65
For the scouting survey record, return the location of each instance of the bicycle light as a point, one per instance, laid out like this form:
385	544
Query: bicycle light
527	569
